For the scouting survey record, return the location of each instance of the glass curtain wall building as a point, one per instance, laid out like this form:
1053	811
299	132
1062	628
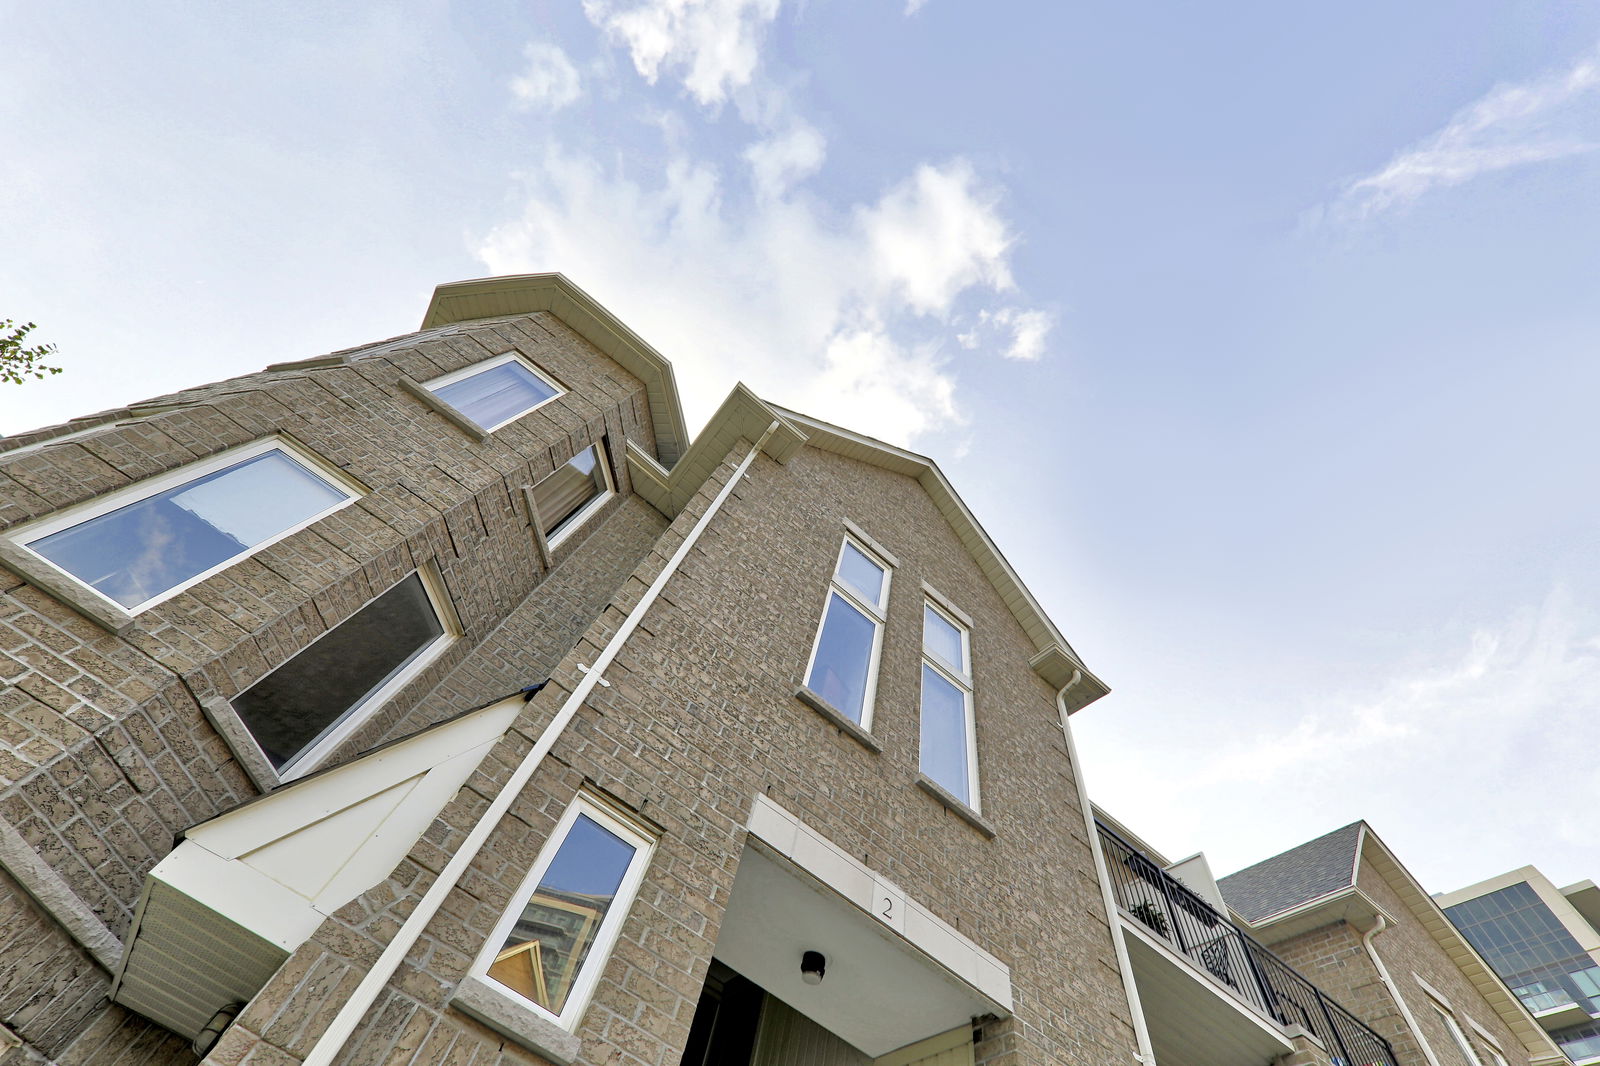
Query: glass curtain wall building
1541	942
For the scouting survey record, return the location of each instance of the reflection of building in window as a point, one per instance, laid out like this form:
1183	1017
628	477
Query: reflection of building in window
568	918
559	927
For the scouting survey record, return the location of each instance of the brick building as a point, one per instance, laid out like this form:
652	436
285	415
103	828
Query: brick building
441	701
1345	912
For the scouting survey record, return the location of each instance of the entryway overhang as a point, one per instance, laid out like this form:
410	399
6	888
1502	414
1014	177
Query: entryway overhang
896	973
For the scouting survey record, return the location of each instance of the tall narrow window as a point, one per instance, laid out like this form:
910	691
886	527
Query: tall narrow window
844	661
566	498
144	544
495	392
1457	1035
550	947
949	735
308	705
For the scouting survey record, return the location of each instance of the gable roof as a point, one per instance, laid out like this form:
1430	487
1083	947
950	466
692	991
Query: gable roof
1316	868
745	415
1318	882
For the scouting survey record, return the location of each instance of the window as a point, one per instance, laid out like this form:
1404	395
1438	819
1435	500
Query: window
844	661
307	706
949	735
1457	1035
147	543
566	498
550	947
496	392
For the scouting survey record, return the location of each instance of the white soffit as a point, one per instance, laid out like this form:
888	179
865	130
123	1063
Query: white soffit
245	889
892	979
521	294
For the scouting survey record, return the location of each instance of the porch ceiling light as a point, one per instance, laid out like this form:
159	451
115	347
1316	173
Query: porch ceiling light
812	966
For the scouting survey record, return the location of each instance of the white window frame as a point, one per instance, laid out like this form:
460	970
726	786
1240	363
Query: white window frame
878	615
1490	1044
1457	1034
489	364
359	712
962	681
586	512
594	963
78	514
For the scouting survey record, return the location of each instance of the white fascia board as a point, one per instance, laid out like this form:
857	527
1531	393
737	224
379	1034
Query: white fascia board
1055	661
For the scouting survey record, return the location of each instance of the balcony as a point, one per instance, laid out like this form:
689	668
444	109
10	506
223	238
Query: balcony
1211	993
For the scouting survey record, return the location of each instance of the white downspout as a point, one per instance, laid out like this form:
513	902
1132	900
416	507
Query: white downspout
372	983
1394	990
1141	1032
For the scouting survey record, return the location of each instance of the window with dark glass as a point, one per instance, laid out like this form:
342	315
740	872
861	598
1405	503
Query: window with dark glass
301	703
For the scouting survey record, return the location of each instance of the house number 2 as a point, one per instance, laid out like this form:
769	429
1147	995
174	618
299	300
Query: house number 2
889	905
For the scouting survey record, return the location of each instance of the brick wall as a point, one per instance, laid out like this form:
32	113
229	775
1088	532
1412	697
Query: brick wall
700	717
1335	960
104	752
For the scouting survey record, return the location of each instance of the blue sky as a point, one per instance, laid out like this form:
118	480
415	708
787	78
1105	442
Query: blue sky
1261	336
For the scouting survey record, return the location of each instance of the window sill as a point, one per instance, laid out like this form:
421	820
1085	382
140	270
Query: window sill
837	717
443	409
955	806
506	1016
47	579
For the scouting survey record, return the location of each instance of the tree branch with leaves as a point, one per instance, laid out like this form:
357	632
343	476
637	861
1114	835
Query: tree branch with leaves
18	361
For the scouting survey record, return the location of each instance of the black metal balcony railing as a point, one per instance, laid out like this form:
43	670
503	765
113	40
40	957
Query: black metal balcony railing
1168	908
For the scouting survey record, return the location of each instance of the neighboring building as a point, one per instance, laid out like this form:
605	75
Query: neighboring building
1544	942
1343	910
439	701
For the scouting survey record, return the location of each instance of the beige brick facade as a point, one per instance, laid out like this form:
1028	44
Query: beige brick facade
108	756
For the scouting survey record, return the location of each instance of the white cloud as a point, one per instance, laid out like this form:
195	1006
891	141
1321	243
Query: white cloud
1514	125
1473	760
1028	331
1538	666
777	163
550	80
936	234
826	311
715	43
